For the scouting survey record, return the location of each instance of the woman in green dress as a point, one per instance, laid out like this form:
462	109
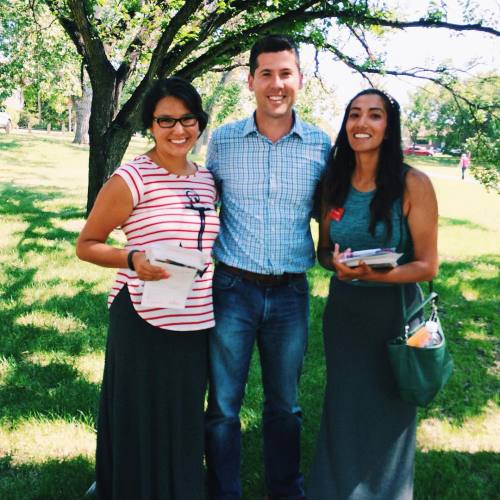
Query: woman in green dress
370	199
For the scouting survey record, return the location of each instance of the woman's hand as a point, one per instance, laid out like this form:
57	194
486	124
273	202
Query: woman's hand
146	271
346	273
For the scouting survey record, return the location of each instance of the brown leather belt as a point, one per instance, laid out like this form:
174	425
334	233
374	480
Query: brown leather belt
261	279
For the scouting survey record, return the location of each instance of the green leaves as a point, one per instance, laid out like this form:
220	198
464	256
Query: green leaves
463	118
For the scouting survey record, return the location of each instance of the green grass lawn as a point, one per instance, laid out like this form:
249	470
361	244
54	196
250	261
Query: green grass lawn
53	326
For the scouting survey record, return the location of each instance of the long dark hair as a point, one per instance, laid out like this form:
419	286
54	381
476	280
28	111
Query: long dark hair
389	178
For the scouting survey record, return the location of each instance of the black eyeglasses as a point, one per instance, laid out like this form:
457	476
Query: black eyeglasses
169	122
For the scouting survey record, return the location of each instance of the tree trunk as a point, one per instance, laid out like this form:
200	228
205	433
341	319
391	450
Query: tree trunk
39	105
109	132
83	106
109	136
70	112
203	140
105	154
197	147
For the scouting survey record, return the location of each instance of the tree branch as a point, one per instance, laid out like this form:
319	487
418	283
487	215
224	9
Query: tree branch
132	54
361	39
181	18
162	64
69	27
232	45
367	20
211	23
426	23
235	44
416	72
97	60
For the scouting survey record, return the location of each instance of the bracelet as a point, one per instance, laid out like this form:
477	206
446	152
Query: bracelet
130	262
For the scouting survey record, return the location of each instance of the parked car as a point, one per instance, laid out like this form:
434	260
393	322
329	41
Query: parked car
418	150
5	121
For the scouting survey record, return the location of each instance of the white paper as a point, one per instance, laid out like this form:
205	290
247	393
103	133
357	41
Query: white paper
173	291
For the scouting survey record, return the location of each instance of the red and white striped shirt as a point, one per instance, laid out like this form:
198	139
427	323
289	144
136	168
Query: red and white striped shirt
165	211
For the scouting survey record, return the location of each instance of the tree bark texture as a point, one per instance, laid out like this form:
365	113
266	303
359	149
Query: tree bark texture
203	140
82	109
108	136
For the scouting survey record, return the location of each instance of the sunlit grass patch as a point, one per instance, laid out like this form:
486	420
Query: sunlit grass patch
35	441
90	366
69	225
319	281
460	242
480	433
44	319
6	366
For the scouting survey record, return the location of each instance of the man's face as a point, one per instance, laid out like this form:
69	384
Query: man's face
275	83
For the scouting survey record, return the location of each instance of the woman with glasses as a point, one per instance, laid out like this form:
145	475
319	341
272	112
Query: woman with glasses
150	425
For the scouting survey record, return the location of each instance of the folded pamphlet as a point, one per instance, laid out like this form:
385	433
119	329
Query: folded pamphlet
182	265
374	257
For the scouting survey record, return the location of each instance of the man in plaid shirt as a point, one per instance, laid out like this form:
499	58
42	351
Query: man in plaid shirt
267	167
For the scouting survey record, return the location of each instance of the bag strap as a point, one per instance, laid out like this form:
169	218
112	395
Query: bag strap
408	314
432	297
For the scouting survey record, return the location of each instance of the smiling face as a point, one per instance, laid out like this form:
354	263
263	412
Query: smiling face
275	83
178	140
366	123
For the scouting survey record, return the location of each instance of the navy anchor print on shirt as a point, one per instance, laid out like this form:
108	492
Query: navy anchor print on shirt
194	200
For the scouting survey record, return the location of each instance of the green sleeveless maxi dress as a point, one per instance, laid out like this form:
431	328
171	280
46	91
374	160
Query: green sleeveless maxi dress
366	444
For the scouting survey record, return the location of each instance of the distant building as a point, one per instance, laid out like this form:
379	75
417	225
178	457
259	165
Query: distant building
15	102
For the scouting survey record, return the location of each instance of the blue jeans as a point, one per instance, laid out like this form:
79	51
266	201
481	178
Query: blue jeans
277	318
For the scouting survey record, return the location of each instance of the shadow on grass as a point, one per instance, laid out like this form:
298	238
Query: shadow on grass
40	234
56	389
59	141
86	307
469	326
452	475
9	145
467	224
439	475
66	479
432	161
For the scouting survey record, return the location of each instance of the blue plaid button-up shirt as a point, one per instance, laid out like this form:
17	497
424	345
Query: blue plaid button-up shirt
267	192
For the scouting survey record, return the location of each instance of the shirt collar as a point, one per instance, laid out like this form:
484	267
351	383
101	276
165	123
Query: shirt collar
297	128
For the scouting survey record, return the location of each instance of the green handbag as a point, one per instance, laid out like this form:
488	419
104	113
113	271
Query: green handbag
421	372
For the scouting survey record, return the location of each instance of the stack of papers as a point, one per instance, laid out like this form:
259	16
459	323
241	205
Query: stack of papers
374	257
182	265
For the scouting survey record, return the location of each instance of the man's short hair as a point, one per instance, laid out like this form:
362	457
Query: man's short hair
272	43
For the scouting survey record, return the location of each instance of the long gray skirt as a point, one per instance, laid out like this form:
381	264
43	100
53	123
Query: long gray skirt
150	435
366	443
